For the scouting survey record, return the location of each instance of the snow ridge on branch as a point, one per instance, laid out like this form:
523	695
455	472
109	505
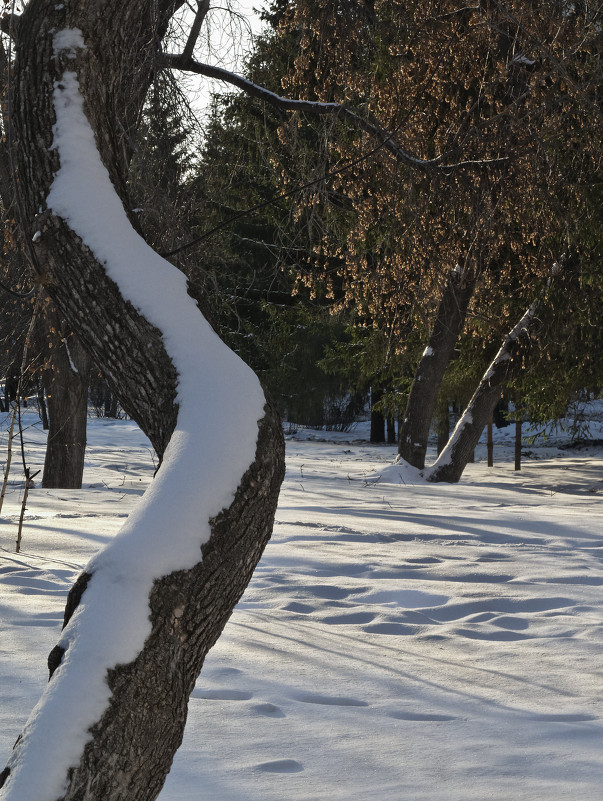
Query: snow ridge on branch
316	107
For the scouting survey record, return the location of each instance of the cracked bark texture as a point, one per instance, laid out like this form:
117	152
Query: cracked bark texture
134	742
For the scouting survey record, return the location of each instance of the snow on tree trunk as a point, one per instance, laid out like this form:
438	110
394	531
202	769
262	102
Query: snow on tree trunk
449	322
142	617
453	459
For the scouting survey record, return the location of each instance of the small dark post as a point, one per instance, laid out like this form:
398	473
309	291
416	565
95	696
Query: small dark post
517	435
42	407
443	426
377	418
490	444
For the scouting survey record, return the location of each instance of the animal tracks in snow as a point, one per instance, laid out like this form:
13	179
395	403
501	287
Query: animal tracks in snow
392	629
561	718
385	605
349	619
47	579
407	599
430	579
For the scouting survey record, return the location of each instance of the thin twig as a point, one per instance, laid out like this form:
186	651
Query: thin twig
28	476
28	483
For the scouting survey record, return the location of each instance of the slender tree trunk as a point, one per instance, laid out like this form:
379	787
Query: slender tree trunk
391	429
11	383
443	425
67	393
490	443
517	465
377	418
448	325
452	461
126	751
43	407
111	404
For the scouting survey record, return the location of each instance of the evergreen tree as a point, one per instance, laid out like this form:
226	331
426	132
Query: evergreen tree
277	324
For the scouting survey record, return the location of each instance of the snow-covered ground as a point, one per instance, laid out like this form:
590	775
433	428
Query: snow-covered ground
411	642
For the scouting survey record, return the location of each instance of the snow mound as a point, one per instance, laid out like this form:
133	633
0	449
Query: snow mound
401	472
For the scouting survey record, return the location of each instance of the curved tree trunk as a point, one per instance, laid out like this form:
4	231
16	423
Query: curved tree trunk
142	617
448	325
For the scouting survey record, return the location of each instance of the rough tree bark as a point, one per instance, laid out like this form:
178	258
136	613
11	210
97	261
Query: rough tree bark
66	377
133	741
448	325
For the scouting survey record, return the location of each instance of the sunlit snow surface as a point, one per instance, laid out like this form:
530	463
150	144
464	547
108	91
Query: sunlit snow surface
220	401
398	643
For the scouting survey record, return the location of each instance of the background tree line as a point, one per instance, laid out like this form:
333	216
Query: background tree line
423	270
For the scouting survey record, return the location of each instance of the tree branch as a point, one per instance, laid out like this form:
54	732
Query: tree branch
202	9
386	140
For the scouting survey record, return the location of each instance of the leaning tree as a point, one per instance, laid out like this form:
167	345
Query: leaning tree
143	615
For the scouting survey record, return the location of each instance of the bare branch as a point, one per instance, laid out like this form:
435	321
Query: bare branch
384	138
202	9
